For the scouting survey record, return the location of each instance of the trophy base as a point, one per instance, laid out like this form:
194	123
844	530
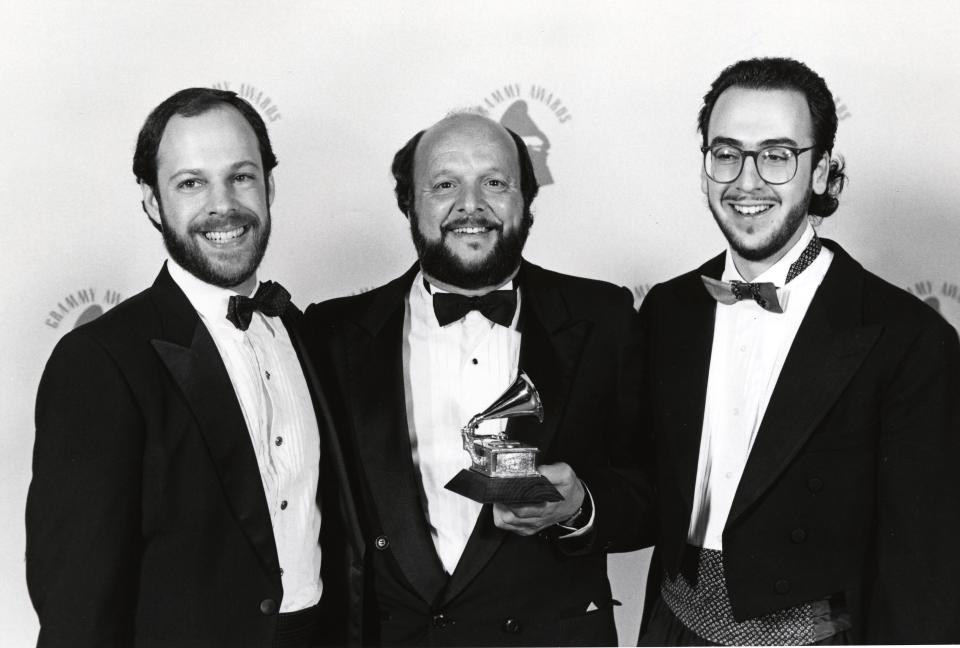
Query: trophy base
503	490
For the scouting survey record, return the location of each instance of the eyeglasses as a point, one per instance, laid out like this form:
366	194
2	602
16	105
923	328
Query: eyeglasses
776	165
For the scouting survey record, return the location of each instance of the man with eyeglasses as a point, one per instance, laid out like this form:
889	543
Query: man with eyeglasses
806	411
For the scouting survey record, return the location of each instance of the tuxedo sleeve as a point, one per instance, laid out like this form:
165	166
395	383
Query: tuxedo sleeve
83	505
623	487
916	596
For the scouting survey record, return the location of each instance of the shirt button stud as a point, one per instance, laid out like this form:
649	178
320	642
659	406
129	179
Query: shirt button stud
382	542
511	626
279	441
283	505
475	361
268	607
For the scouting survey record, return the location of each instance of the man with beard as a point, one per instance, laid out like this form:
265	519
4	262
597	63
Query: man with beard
412	361
805	411
180	444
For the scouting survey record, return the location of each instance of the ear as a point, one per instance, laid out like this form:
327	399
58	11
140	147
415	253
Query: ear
704	181
820	175
150	203
271	189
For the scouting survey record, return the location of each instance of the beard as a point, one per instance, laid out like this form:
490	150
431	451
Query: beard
777	239
186	251
438	261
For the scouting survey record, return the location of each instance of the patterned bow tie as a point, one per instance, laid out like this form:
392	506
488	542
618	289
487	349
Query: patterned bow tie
270	299
497	306
764	293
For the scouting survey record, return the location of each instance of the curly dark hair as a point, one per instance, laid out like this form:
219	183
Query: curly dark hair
787	74
403	163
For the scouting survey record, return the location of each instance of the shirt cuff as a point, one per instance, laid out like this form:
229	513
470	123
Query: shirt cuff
575	530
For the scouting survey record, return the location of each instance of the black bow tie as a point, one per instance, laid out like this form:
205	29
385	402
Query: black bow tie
497	306
270	299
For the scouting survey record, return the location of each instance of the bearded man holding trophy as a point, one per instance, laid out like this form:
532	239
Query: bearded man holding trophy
490	414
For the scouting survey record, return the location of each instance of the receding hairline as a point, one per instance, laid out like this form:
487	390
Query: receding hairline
765	90
220	106
476	122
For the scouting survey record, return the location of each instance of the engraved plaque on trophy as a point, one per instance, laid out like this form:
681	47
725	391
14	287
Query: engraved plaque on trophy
503	470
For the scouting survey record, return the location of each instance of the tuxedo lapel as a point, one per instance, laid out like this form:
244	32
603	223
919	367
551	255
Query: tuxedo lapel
191	356
551	341
374	361
550	347
828	349
685	360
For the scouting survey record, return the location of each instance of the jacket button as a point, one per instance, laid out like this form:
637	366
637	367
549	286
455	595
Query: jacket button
815	484
382	542
512	626
439	621
798	536
268	606
782	586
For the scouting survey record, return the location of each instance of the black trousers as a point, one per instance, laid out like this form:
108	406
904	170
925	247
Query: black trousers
301	629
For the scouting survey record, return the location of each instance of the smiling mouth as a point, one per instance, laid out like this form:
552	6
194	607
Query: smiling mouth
471	230
750	210
226	236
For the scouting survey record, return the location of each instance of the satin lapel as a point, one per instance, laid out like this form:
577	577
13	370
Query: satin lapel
550	349
483	543
827	351
194	362
550	346
374	360
684	342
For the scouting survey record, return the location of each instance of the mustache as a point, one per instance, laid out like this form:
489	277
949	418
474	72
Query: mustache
472	221
228	222
740	195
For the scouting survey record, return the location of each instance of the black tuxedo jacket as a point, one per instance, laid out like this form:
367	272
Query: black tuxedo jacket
147	523
579	347
850	488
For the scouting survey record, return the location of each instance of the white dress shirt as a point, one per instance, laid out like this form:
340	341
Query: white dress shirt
268	381
451	373
750	346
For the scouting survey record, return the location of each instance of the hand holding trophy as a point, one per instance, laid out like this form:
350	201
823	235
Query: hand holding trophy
503	470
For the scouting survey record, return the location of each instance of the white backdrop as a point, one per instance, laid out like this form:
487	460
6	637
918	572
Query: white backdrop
614	87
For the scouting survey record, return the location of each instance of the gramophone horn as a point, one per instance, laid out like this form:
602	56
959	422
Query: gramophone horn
520	399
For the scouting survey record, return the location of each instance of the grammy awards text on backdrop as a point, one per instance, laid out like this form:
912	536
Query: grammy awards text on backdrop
80	307
257	98
527	110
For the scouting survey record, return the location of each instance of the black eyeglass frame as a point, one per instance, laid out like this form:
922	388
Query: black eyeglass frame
796	151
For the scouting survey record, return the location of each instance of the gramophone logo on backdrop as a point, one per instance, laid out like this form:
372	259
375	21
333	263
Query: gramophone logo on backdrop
80	307
529	111
943	296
